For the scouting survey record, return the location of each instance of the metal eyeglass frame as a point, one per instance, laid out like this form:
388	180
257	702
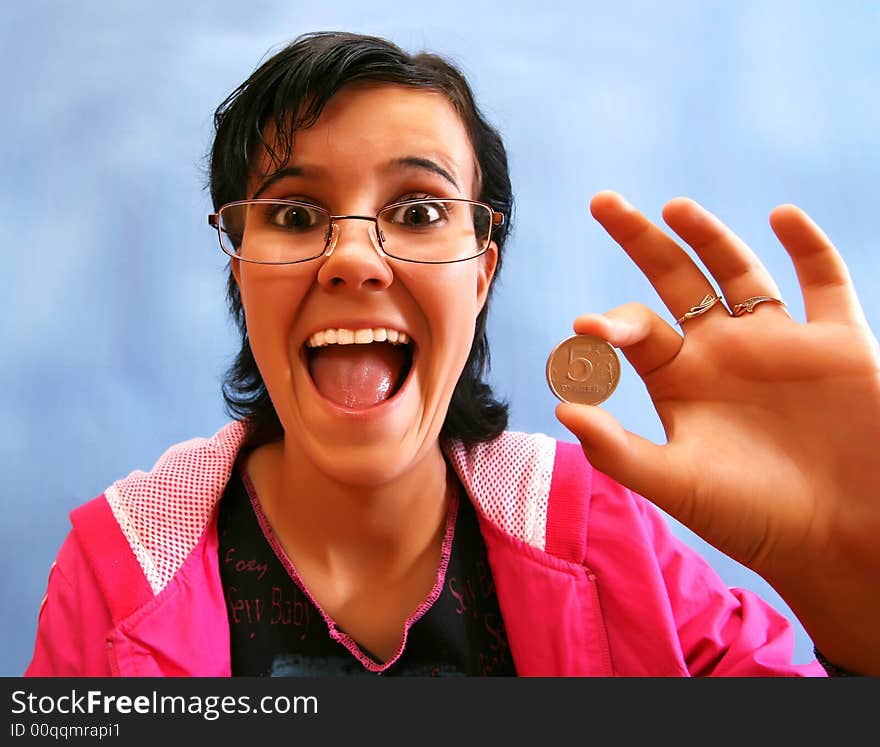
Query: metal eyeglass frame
496	219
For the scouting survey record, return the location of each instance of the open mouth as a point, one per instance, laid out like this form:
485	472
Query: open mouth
359	368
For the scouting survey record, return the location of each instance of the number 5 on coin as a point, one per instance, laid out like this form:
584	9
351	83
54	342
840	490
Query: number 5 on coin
583	369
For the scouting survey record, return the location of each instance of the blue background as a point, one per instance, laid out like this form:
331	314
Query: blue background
115	334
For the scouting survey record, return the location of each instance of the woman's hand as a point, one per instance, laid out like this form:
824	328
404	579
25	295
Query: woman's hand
772	425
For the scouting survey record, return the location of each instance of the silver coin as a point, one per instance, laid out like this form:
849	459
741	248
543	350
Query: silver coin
583	369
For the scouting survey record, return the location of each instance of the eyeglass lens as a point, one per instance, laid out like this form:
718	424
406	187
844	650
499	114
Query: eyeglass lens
420	231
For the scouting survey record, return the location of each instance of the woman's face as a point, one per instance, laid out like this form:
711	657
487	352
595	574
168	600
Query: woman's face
364	414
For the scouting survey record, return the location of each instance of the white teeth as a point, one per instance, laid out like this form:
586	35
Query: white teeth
342	336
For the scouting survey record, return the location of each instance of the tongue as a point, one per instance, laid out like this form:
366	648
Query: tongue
357	376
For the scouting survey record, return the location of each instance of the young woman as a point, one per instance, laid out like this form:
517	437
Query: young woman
367	511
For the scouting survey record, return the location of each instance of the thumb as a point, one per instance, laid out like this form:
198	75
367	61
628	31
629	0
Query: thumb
633	461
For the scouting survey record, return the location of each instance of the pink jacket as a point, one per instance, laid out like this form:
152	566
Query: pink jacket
590	580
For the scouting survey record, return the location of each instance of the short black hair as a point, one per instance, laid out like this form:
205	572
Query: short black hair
290	90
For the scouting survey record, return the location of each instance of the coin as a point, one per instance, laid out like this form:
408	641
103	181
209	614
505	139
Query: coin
583	369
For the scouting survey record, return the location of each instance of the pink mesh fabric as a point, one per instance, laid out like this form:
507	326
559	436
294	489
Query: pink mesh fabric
509	479
164	512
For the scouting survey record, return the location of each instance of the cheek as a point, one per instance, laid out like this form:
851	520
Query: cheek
271	303
449	302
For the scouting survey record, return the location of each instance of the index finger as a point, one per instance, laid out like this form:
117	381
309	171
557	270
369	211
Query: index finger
675	276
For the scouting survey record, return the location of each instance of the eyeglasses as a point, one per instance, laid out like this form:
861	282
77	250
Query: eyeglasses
281	232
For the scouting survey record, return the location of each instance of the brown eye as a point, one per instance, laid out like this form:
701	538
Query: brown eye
294	217
417	214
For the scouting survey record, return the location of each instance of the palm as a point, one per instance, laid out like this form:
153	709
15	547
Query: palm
761	415
771	424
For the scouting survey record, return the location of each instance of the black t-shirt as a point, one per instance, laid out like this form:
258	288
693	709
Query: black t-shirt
276	629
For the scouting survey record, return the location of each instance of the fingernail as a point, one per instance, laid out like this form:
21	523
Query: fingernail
618	328
624	203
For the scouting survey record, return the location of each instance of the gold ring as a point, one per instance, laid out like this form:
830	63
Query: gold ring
748	306
709	300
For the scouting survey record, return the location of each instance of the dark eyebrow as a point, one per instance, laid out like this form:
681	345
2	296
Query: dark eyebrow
405	162
277	176
427	164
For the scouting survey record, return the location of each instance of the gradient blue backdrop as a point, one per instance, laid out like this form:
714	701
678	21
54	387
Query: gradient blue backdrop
115	334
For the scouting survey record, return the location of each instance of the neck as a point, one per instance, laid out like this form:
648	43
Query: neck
376	528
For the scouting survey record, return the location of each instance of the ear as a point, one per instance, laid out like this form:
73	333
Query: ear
235	264
488	261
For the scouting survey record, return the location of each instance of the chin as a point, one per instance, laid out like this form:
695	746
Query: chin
368	446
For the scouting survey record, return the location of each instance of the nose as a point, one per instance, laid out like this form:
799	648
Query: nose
353	257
